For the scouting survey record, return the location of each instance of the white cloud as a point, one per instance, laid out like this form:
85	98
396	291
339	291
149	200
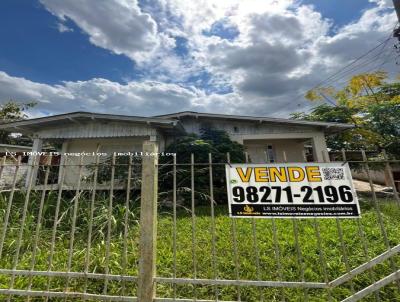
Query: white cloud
117	25
62	28
383	3
282	48
101	95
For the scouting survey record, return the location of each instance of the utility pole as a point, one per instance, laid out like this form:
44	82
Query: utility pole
396	32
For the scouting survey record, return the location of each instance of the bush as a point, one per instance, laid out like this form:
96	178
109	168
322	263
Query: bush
216	142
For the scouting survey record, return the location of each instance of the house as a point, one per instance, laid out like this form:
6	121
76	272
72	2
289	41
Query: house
275	138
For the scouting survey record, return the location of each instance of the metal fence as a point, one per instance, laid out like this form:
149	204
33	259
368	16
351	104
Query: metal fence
128	229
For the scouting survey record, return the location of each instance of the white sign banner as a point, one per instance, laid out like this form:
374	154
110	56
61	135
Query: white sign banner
291	190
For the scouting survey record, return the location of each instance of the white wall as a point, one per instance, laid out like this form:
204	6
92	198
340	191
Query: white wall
104	145
377	176
293	149
250	133
243	128
8	173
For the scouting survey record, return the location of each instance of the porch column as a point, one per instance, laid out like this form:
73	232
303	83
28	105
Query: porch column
32	171
319	146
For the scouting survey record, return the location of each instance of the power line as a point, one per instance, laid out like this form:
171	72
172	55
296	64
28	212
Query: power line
334	77
337	75
390	55
359	66
353	62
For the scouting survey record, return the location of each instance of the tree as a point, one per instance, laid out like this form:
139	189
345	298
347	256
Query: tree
216	142
210	140
10	112
370	103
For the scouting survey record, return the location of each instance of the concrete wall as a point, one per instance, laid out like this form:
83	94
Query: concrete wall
256	136
8	173
104	145
293	149
377	177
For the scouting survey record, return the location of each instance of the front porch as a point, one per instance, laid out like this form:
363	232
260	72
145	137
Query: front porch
293	147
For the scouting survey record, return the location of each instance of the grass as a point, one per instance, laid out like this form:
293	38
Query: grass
309	267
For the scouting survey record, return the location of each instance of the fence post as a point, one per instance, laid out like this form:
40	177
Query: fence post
148	223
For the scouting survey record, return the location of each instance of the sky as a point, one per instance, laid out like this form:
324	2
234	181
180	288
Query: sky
150	57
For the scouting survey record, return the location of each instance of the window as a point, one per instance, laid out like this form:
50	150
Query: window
235	129
270	154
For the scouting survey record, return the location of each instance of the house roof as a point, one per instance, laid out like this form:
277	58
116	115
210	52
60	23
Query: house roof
19	147
167	121
30	125
331	127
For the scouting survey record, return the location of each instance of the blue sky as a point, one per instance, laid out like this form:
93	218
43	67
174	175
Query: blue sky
35	49
341	12
148	58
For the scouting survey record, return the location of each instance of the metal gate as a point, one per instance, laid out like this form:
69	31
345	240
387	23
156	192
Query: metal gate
139	230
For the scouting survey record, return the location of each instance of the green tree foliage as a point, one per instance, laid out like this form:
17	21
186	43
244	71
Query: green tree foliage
210	140
216	142
9	112
370	103
213	141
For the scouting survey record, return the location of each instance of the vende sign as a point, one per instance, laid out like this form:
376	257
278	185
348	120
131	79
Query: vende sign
291	190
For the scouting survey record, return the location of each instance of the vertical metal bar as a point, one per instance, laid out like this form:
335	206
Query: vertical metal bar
257	253
148	224
90	226
55	223
284	156
391	179
3	163
299	255
321	253
235	244
379	214
325	156
255	245
267	160
73	226
174	224
322	258
303	152
364	239
109	225
300	260
39	222
126	221
22	223
344	252
194	243
276	246
8	210
213	243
